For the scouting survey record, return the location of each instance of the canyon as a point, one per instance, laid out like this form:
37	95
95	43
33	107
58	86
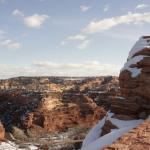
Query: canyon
87	113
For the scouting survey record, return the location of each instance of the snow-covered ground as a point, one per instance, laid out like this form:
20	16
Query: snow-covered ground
93	141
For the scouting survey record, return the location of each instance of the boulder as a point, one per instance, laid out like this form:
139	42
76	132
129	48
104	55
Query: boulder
134	79
136	139
135	75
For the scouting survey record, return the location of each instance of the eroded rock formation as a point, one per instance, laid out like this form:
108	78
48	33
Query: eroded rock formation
136	139
131	106
2	132
55	114
135	76
134	79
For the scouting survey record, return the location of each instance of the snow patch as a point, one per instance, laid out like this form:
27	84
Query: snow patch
134	71
94	133
12	146
120	97
93	141
122	124
139	45
106	139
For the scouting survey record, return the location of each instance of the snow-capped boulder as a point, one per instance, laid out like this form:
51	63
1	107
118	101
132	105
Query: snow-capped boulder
135	75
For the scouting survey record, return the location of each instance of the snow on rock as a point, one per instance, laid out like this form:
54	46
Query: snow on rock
122	124
8	146
106	139
12	146
139	45
32	147
94	133
120	97
93	141
134	71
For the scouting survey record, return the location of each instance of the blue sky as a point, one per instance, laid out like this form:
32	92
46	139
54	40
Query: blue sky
69	37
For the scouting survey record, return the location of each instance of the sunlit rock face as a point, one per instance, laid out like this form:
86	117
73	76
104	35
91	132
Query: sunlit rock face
135	75
63	114
2	132
129	109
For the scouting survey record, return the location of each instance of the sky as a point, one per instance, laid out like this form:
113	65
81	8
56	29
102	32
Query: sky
69	37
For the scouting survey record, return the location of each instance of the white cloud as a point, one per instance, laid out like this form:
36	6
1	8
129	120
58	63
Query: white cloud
46	68
108	23
141	6
10	44
106	8
84	8
78	37
35	21
17	12
8	71
7	42
84	44
79	69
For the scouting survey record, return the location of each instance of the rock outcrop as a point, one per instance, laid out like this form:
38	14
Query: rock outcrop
135	75
38	114
55	114
136	139
132	105
134	80
2	132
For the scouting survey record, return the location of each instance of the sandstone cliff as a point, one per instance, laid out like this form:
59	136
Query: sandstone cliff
129	109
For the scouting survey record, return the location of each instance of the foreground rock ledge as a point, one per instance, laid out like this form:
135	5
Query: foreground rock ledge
136	139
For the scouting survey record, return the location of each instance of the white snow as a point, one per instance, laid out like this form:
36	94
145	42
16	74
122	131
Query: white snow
93	141
12	146
120	97
8	146
139	45
122	124
106	139
32	147
94	133
134	71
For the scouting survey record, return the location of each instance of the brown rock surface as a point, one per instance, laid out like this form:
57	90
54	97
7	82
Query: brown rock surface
140	84
2	131
136	88
64	114
134	102
136	139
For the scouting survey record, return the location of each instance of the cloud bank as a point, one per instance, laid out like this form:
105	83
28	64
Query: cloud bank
46	68
108	23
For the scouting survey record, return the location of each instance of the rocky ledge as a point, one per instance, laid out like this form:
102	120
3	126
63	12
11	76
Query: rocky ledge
136	139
